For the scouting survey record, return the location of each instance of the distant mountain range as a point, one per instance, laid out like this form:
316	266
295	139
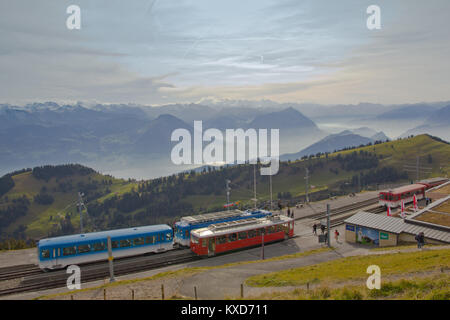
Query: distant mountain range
436	123
118	136
130	140
336	142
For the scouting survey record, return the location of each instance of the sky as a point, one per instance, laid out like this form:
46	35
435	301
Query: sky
156	52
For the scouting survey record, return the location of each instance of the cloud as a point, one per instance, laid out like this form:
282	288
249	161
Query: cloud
155	52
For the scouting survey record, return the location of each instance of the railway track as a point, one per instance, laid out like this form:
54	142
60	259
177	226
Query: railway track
14	272
100	271
340	210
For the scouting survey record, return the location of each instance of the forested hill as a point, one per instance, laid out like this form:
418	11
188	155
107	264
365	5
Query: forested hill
42	201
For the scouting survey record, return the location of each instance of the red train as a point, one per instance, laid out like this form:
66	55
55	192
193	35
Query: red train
234	235
393	198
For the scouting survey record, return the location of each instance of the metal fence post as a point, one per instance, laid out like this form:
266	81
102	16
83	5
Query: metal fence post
110	259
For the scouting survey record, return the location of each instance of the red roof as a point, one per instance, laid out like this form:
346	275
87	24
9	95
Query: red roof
410	187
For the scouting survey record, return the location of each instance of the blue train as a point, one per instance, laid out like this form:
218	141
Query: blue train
59	252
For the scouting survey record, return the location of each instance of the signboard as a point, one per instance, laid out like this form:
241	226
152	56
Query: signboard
349	227
322	238
367	236
384	236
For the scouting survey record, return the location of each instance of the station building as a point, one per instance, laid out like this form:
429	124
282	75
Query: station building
382	230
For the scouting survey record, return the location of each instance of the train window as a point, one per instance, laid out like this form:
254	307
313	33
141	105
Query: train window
98	246
138	241
232	237
186	233
114	244
251	233
271	229
84	248
258	232
45	253
125	243
242	235
203	242
168	236
68	251
221	239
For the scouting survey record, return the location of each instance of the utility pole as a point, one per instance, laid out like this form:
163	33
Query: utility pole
328	225
80	203
418	169
254	184
110	260
307	184
262	243
270	184
228	194
359	182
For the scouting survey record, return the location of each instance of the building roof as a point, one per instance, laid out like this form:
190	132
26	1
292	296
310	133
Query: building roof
376	221
397	225
407	188
92	236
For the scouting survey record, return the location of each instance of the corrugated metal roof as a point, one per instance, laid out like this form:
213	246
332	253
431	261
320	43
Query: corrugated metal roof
396	225
429	232
376	221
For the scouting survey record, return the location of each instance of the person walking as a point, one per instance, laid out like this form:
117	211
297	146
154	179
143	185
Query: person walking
292	213
315	229
289	212
322	227
336	235
422	239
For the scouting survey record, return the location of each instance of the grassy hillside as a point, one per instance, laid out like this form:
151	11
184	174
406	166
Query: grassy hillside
404	275
290	178
114	203
42	219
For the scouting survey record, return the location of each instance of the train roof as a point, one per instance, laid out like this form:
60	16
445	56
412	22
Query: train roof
434	180
213	216
239	225
407	188
101	235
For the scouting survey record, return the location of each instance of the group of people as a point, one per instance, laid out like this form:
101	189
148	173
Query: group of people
323	228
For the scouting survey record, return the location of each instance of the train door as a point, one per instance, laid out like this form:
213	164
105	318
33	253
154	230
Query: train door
55	254
211	246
